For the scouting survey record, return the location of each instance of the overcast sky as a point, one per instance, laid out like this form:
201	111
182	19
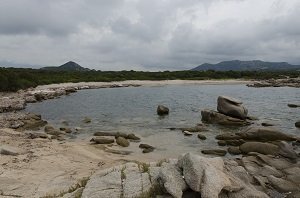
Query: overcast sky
147	34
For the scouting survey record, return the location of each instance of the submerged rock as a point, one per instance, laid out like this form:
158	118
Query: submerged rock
162	110
201	137
232	107
297	124
87	120
293	105
214	117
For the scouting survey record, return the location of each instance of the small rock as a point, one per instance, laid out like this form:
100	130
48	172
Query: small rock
267	124
187	133
102	140
87	120
65	123
119	152
146	146
68	130
162	110
218	152
105	134
132	136
148	150
234	150
48	128
201	137
122	142
297	124
222	143
228	136
293	105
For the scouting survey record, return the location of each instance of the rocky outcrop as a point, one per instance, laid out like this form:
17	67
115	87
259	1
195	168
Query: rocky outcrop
162	110
286	82
11	104
232	107
264	134
214	117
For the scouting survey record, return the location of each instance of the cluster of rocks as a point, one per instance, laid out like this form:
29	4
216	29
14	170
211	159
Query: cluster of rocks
196	176
230	112
286	82
121	139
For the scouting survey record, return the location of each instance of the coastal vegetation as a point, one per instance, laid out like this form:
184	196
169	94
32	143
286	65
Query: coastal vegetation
13	79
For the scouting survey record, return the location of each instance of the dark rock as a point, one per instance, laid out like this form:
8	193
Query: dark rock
132	136
119	134
201	137
122	141
218	152
228	136
222	143
214	117
266	124
101	140
148	150
162	110
293	105
105	134
232	107
68	130
234	150
260	147
235	142
198	128
297	124
265	134
146	146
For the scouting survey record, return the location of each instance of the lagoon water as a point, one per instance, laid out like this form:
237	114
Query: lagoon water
133	110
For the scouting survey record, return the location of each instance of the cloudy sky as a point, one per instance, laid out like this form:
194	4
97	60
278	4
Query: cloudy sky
147	34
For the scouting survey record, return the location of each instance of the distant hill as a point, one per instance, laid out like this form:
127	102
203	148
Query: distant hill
237	65
69	66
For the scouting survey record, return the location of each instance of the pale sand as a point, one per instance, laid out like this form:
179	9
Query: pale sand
147	83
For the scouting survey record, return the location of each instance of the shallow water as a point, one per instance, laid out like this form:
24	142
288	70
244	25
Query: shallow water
133	109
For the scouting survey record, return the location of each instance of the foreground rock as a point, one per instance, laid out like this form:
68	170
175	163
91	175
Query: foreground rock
232	107
101	140
162	110
122	142
214	117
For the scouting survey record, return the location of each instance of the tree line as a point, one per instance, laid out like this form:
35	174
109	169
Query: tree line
13	79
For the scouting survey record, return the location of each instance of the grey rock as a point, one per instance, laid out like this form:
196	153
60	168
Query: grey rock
171	177
119	152
10	150
214	117
101	140
132	136
219	152
148	150
234	150
265	134
105	184
283	185
187	133
231	107
146	146
87	120
122	141
162	110
49	128
260	147
201	137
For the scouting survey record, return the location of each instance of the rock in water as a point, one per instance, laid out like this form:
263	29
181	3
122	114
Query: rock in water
293	105
201	137
187	133
218	152
101	140
122	142
214	117
162	110
260	147
265	134
232	107
87	120
297	124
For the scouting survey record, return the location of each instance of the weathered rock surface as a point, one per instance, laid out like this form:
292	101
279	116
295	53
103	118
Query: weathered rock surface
21	121
214	117
162	110
260	147
265	134
232	107
10	150
11	104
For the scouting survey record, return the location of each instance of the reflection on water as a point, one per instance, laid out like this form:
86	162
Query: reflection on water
134	110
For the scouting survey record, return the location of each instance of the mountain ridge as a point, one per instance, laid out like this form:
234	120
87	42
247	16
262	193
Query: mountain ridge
68	66
237	65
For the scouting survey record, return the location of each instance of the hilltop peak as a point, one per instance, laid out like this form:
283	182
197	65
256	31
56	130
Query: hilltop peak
68	66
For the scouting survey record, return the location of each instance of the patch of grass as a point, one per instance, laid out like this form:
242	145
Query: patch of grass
144	167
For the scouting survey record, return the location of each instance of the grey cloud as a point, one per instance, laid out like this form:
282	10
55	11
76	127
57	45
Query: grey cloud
150	35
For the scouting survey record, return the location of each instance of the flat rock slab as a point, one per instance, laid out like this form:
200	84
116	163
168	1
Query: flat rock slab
10	150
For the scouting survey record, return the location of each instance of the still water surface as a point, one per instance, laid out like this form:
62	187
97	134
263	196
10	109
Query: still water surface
133	110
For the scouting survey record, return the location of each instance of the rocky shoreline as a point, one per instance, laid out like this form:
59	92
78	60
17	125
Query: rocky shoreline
286	82
38	162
